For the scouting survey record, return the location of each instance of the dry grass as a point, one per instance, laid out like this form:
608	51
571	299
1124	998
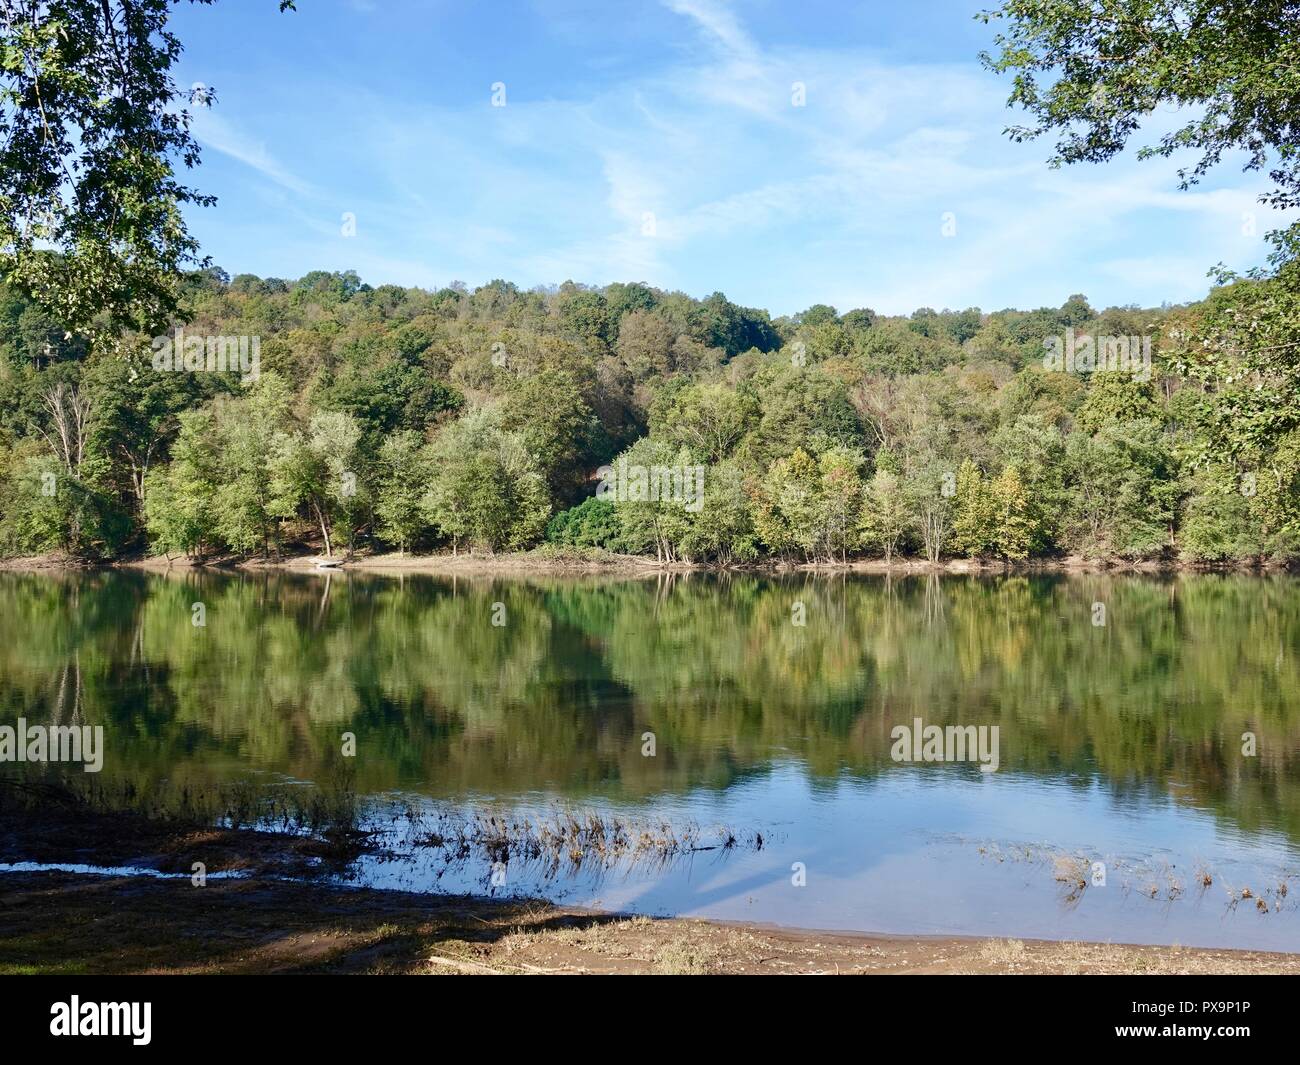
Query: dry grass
1007	953
687	955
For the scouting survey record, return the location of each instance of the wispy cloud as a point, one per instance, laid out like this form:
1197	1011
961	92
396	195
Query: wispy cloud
215	131
698	166
720	23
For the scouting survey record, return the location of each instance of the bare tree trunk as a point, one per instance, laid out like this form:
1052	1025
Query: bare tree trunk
69	416
324	529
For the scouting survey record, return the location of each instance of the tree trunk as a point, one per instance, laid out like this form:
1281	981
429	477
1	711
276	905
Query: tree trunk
324	530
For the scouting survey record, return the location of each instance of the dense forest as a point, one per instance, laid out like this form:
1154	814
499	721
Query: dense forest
624	418
496	419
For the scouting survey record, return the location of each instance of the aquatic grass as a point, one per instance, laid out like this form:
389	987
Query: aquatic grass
1153	880
564	842
558	843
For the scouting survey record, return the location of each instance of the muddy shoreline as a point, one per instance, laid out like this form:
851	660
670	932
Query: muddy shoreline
53	922
285	911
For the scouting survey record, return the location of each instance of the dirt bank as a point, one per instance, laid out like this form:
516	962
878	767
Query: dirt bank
66	923
555	563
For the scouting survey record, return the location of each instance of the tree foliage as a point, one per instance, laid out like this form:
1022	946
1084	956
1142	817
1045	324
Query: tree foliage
92	130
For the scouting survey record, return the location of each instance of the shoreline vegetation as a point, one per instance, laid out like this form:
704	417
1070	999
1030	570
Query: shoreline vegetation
560	563
278	909
627	422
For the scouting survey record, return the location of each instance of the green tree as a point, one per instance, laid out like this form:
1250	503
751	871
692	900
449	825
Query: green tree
1092	74
1016	526
317	469
1274	492
785	515
886	516
1036	449
1240	347
709	419
975	512
485	486
556	425
1217	524
175	520
839	512
1123	490
34	516
723	530
646	342
237	459
1115	396
402	480
136	416
930	492
592	523
585	315
653	507
800	407
92	129
180	499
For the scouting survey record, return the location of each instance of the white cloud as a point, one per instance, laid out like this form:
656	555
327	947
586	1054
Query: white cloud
837	201
721	24
214	131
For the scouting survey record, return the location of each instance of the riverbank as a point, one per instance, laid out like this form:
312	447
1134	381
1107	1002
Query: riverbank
271	903
545	562
58	922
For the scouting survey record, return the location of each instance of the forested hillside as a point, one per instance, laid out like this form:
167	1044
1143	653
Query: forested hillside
402	419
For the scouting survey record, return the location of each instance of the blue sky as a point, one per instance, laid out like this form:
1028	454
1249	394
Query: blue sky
658	141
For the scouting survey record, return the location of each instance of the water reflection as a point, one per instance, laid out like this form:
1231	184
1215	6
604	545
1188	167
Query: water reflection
1124	738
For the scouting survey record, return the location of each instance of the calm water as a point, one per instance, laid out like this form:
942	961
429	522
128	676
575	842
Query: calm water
1119	743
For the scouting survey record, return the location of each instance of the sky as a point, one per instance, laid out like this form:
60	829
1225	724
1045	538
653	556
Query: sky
666	141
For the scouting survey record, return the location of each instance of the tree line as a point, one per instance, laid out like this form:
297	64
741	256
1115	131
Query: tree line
385	417
388	418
